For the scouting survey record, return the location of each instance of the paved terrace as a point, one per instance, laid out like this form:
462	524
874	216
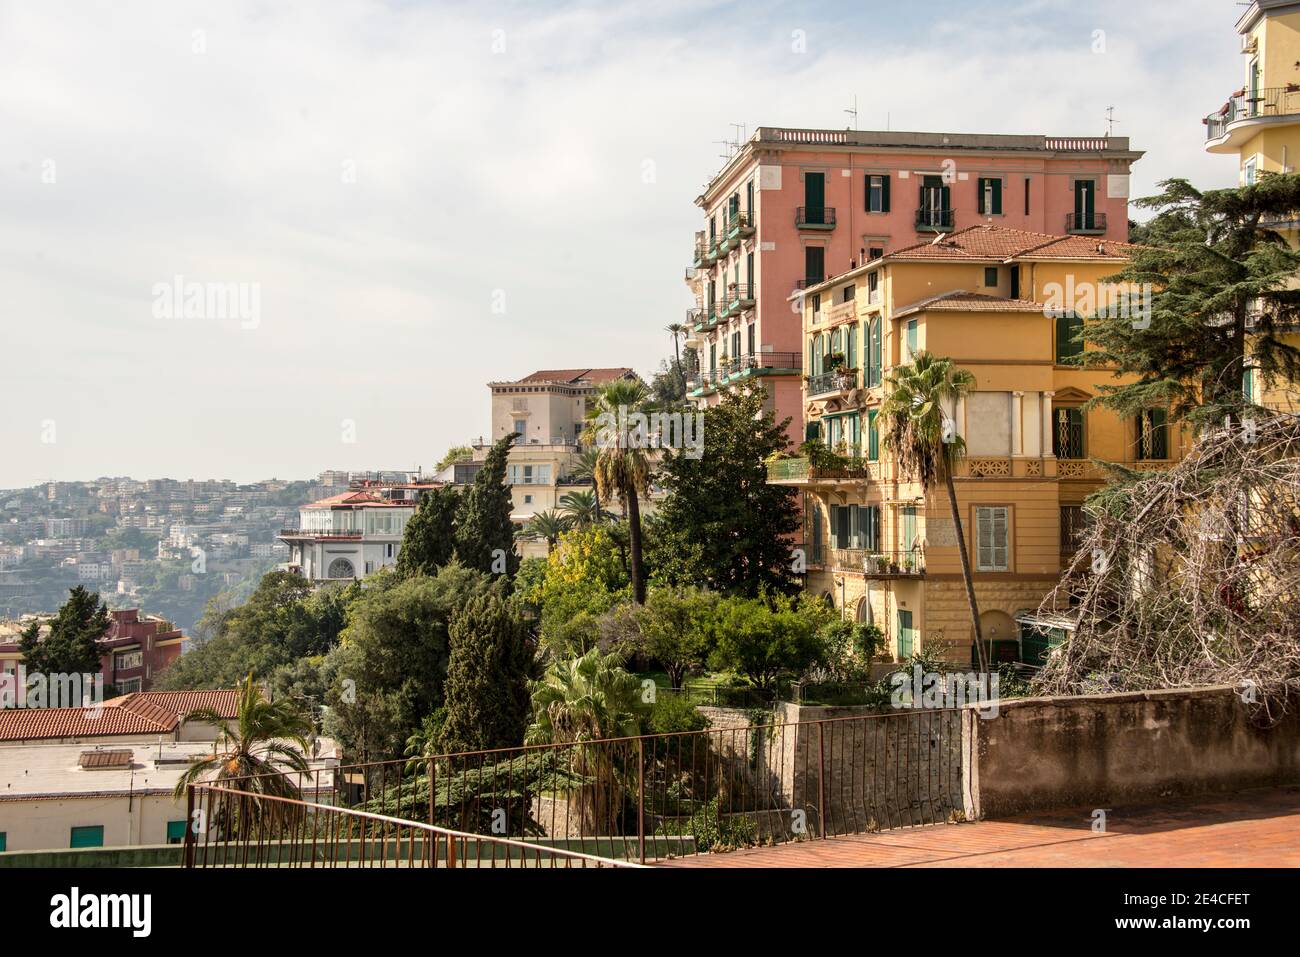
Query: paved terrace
1259	828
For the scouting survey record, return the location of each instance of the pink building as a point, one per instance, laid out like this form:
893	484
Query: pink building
794	207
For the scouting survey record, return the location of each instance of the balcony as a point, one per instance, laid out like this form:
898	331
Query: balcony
1246	112
1085	223
705	256
842	312
759	363
740	296
354	533
808	281
836	382
695	318
815	217
799	470
934	220
740	226
894	563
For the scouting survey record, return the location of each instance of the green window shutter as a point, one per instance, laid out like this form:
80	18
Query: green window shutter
4	840
812	431
997	196
906	635
175	832
884	194
877	354
1068	327
873	435
92	836
909	526
979	202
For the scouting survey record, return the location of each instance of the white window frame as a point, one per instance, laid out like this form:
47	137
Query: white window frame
992	556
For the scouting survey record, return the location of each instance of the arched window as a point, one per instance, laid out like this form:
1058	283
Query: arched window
342	568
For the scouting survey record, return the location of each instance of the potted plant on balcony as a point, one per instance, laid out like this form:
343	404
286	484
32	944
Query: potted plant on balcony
834	360
846	378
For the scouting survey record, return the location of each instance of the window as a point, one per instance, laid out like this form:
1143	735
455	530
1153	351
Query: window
751	340
873	286
846	294
1153	434
877	194
814	264
1069	341
522	428
124	660
814	197
370	567
1249	173
127	685
1067	433
875	252
90	836
528	500
4	840
909	527
855	526
749	200
1073	525
912	338
1085	198
874	353
1026	195
991	552
990	196
991	276
1248	383
390	549
175	832
873	435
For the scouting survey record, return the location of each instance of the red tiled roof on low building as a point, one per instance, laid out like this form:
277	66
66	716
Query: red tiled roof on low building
575	376
142	712
961	301
999	243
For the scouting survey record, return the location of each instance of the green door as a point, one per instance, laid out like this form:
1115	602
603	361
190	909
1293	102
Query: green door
936	206
814	197
906	635
92	836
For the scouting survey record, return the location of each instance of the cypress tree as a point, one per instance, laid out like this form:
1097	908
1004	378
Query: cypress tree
486	692
485	536
430	536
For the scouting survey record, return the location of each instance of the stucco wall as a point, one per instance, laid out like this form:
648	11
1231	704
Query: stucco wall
1101	750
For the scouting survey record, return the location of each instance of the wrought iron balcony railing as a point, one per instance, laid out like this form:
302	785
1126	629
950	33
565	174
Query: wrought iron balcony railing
1253	104
1085	222
815	217
836	381
933	219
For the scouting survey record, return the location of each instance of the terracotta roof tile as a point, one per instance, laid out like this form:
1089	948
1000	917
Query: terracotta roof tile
577	375
961	301
142	712
987	242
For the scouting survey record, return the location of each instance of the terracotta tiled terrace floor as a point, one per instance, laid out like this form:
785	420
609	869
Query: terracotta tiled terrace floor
1247	829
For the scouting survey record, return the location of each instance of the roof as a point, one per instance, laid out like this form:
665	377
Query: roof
578	376
142	712
961	301
50	771
986	242
358	498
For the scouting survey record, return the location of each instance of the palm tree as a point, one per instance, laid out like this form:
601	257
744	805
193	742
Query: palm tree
581	508
584	470
924	440
679	331
586	699
622	468
250	754
547	525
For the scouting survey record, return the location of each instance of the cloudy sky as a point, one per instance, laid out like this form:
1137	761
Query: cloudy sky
427	196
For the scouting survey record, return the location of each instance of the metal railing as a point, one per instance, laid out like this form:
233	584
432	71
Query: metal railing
815	217
641	798
840	380
320	533
878	563
1252	104
1085	222
231	827
927	218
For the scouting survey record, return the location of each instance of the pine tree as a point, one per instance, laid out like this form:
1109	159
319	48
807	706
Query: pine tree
1221	283
430	536
486	693
485	536
73	644
722	525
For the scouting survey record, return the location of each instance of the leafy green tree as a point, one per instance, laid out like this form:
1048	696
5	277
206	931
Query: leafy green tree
73	645
390	669
722	525
1223	291
457	453
764	642
673	629
429	539
487	679
622	468
485	536
583	575
917	428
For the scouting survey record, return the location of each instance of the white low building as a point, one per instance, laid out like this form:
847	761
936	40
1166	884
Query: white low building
352	535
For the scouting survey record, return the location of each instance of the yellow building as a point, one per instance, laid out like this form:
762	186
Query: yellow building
1259	124
877	544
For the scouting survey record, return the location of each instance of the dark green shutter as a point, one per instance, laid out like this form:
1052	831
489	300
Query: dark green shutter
884	194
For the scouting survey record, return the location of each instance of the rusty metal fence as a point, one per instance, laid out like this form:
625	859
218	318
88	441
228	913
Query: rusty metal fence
638	799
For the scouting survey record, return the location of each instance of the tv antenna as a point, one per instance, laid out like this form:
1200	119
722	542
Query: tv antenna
853	111
1110	121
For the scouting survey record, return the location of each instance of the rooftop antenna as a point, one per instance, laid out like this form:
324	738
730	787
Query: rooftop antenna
1110	121
853	111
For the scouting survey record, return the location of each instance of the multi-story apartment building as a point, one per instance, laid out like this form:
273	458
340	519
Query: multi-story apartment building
879	545
133	650
352	534
792	207
1260	126
548	409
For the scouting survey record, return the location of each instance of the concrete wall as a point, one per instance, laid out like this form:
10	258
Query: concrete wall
1102	750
